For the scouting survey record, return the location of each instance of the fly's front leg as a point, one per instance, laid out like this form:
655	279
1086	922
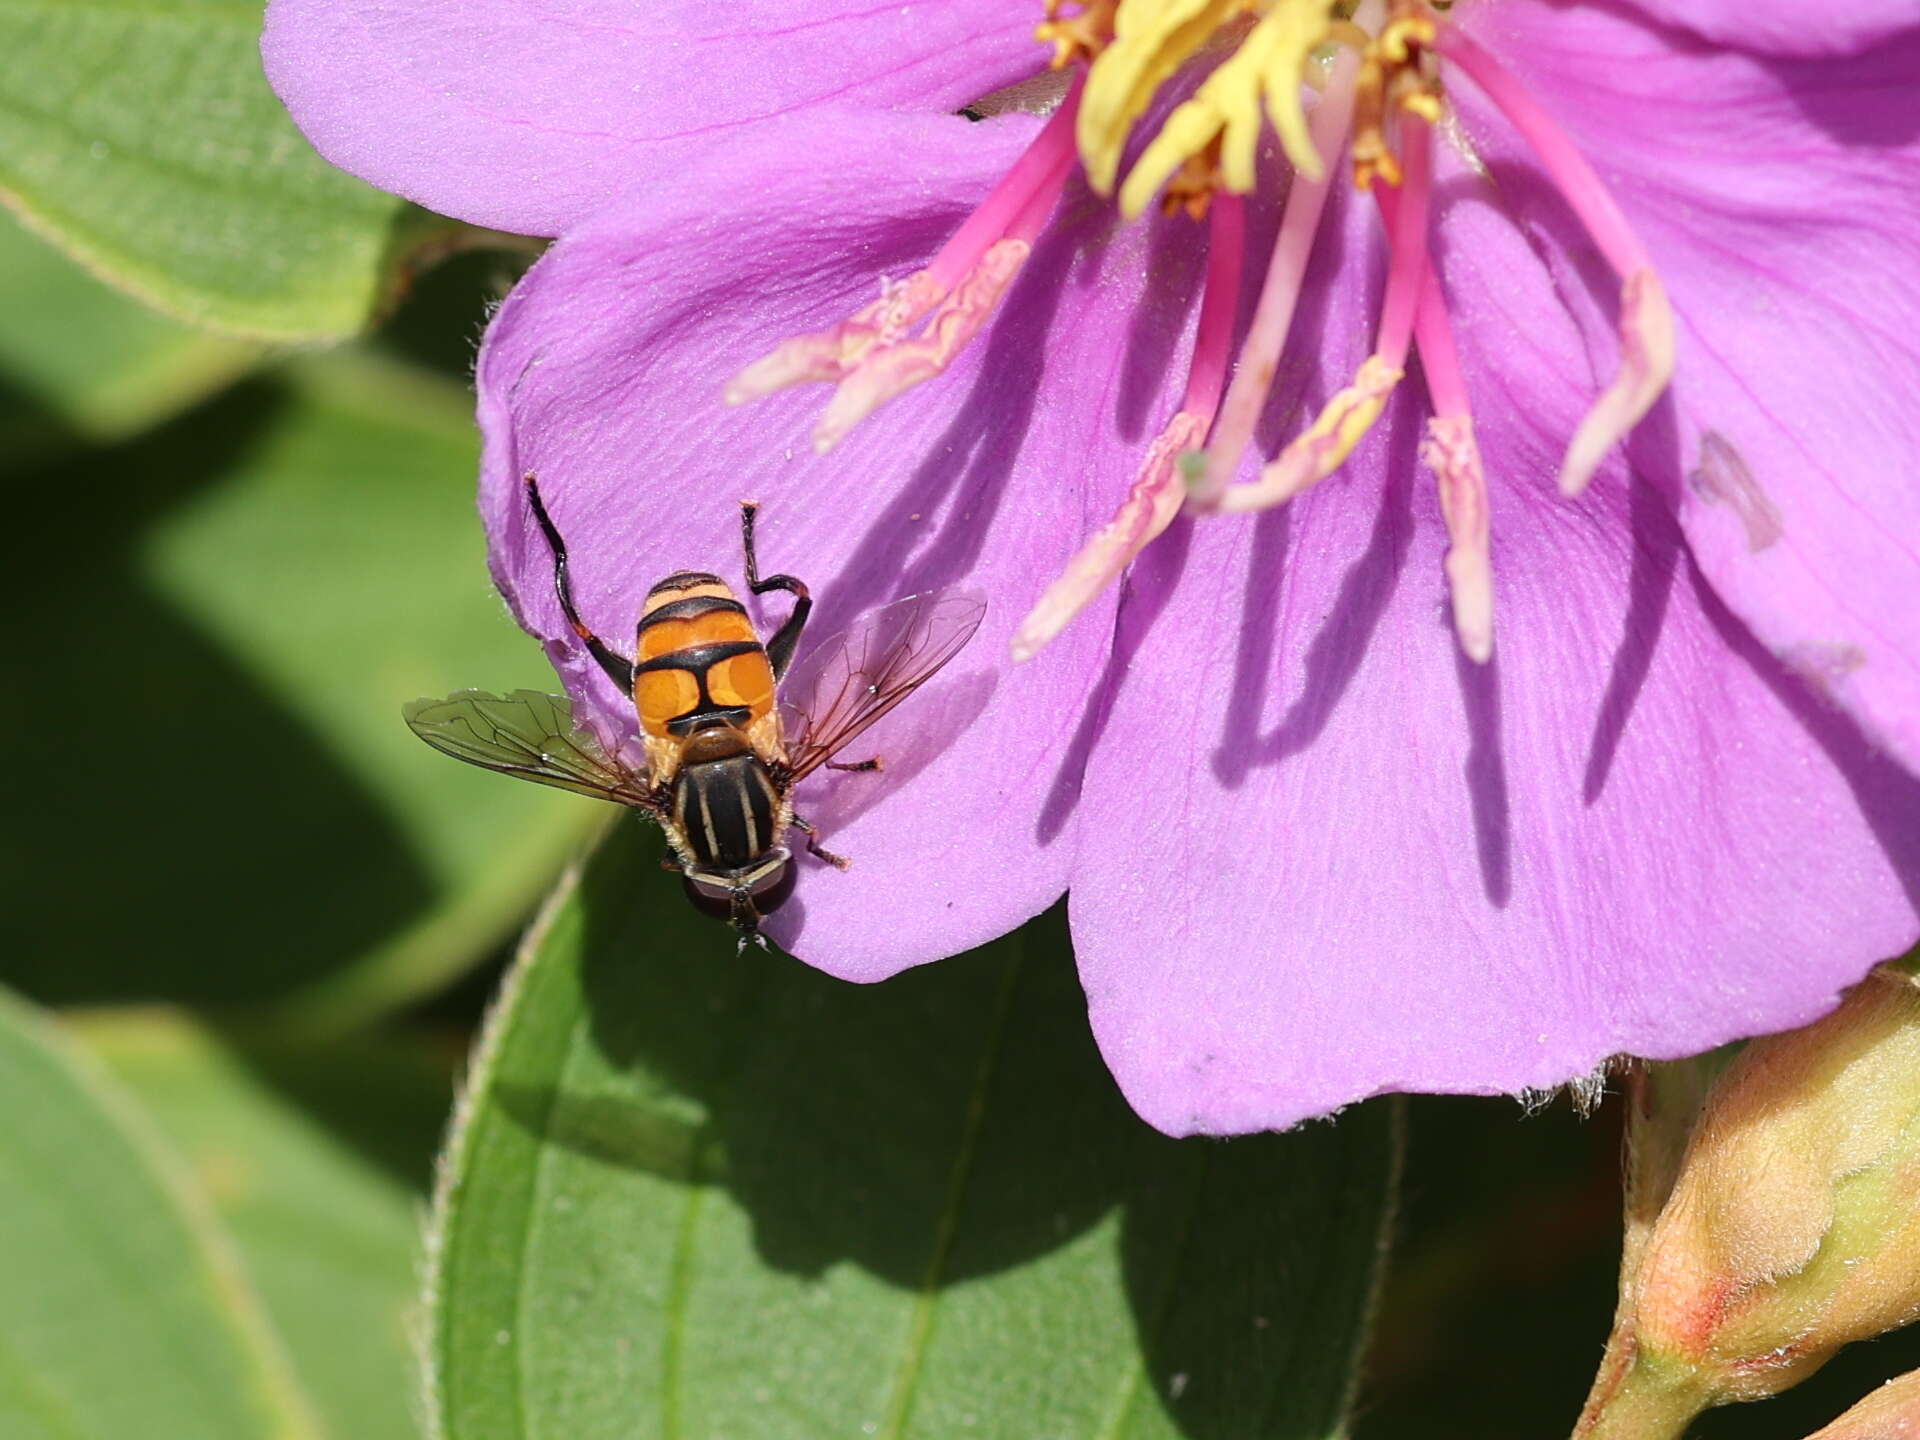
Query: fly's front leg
839	862
858	766
780	648
619	669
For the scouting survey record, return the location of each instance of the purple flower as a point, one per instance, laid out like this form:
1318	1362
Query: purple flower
1318	847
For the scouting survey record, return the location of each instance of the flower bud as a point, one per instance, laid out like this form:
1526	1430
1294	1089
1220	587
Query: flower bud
1890	1413
1792	1225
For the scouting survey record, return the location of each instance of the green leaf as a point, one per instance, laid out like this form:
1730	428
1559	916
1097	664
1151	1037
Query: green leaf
124	1311
695	1193
317	1158
142	138
81	363
212	735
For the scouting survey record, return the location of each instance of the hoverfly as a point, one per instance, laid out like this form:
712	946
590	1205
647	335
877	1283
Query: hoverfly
722	752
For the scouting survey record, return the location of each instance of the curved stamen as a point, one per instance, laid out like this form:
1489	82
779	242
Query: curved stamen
1646	319
1453	454
1260	353
873	354
1348	416
1156	495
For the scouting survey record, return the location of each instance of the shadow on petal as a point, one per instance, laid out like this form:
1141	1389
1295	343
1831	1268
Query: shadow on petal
1143	598
1653	486
1888	794
1333	659
1486	775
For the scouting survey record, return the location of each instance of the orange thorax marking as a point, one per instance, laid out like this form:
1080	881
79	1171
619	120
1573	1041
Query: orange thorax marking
676	690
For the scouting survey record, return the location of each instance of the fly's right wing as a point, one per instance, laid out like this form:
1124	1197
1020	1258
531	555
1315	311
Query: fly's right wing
860	675
530	735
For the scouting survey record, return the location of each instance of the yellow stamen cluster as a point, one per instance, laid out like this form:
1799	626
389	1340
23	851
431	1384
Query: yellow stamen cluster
1397	73
1152	39
1262	77
1079	36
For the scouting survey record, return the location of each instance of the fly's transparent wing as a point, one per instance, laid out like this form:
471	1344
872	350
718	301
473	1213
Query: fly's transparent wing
530	735
858	676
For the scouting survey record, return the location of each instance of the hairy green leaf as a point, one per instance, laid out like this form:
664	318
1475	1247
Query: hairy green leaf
223	621
124	1311
317	1158
143	140
696	1193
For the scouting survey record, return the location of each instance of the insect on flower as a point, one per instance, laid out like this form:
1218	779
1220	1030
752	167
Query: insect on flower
722	751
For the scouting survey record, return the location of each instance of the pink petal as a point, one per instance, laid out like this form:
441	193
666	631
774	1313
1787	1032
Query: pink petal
1354	861
1784	27
604	373
1780	202
528	117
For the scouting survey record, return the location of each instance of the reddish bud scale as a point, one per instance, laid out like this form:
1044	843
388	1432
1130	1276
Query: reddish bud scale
1792	1227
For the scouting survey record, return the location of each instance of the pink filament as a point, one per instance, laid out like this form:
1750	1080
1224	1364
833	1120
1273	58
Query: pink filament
1157	492
1213	337
870	352
1432	331
1646	317
1572	175
1267	337
1018	206
1452	452
1407	234
1324	446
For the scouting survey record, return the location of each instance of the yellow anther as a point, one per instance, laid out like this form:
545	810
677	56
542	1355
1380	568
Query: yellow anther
1403	37
1426	105
1397	73
1325	445
1193	185
1347	417
1151	40
1262	77
1079	36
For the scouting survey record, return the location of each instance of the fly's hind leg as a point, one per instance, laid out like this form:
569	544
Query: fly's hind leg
839	862
619	669
780	647
859	765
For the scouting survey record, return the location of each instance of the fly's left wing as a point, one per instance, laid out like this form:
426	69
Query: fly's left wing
847	684
529	735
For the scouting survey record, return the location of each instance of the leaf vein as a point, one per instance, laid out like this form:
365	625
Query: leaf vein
920	1329
1130	1385
679	1290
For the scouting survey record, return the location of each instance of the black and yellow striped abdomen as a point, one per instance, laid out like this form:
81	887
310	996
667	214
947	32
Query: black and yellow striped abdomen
726	807
697	660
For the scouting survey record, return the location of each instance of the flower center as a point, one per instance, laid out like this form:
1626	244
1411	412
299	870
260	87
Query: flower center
1375	74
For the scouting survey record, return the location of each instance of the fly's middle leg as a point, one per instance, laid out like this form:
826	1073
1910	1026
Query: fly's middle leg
780	647
839	862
